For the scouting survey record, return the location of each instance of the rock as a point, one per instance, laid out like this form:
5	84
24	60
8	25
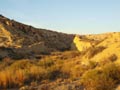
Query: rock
81	43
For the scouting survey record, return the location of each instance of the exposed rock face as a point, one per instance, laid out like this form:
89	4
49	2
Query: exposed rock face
82	43
26	39
98	47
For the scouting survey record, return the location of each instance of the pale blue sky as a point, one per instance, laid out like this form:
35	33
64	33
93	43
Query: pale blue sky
69	16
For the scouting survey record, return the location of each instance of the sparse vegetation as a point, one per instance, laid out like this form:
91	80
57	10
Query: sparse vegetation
54	68
105	78
91	52
30	58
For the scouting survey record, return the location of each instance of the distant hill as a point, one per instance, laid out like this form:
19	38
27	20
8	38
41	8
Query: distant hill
18	40
99	47
24	39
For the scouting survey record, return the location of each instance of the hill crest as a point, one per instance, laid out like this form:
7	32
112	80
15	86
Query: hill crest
25	40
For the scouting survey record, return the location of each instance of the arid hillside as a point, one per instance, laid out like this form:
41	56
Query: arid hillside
20	39
99	47
23	39
39	59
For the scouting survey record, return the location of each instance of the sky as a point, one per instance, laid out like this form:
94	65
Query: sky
68	16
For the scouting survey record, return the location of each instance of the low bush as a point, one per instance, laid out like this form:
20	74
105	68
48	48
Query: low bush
112	58
105	79
91	52
10	78
53	73
46	63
